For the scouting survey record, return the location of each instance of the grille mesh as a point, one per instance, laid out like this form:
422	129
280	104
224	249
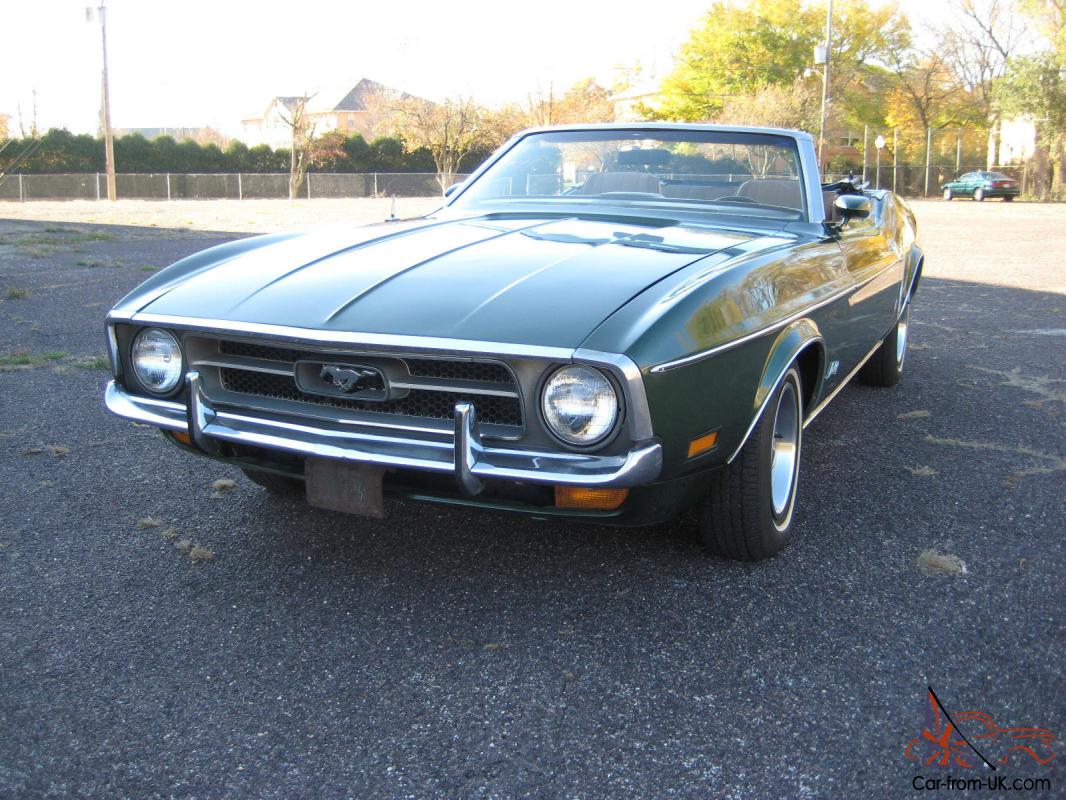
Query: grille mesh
418	402
490	372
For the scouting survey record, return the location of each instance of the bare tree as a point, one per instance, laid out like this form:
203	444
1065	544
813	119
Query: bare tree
585	101
794	105
380	112
977	48
448	130
294	114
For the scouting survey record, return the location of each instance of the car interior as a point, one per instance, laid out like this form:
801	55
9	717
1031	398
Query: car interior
661	172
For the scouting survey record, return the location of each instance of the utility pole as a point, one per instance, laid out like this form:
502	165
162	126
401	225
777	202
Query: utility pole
825	76
109	141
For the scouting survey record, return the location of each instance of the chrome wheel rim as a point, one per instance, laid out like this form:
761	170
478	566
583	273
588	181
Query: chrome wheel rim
947	194
784	457
901	336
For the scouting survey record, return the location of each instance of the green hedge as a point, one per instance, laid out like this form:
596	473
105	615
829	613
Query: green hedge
60	151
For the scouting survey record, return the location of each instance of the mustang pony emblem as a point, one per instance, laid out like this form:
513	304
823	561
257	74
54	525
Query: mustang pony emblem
346	379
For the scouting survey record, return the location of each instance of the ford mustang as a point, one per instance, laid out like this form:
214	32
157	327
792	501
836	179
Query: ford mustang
608	323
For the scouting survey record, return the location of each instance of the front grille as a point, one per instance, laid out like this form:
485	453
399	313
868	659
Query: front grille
432	386
417	403
422	367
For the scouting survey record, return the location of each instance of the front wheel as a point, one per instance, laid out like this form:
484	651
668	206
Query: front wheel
979	195
747	514
948	194
886	365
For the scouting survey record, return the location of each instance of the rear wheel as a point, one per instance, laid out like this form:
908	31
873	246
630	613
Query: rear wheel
948	195
274	483
886	365
1007	198
979	195
748	513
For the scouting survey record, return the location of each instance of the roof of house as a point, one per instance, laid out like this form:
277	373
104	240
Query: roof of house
349	97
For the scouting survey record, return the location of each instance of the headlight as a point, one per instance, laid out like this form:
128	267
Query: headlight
156	358
579	405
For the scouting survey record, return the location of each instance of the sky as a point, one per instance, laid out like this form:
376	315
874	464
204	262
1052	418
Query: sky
195	63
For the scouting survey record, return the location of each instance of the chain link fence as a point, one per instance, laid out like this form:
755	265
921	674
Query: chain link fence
909	180
232	186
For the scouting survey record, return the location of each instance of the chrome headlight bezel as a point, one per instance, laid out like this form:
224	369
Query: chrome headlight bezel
174	380
590	374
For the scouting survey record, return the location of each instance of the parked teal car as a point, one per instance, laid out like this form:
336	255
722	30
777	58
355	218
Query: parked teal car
605	323
980	185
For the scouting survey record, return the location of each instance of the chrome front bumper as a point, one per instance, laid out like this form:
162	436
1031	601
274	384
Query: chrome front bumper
465	455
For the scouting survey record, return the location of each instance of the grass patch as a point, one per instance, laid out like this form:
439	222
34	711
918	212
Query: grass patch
15	293
96	362
149	269
23	358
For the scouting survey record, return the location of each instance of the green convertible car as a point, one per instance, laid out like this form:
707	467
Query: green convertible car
980	185
607	323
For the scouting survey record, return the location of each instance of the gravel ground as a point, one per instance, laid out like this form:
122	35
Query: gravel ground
219	215
456	654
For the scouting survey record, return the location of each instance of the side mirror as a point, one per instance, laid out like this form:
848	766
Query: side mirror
453	188
853	206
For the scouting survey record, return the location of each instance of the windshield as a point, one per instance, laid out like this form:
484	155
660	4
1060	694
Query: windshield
752	174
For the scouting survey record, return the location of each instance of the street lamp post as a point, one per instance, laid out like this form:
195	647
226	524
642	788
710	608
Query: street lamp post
819	51
109	141
879	143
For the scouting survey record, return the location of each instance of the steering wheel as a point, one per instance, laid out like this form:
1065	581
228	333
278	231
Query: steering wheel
735	198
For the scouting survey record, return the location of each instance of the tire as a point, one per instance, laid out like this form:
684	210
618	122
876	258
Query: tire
886	365
747	514
280	485
948	195
1008	198
979	195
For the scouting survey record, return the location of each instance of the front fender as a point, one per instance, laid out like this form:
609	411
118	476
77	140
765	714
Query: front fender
801	340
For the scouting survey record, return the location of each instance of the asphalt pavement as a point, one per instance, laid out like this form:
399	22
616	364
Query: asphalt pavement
161	636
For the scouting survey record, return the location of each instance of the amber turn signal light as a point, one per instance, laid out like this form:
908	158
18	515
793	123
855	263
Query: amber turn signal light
701	444
181	437
589	499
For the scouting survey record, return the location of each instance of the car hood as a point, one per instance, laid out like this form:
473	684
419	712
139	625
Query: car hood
525	281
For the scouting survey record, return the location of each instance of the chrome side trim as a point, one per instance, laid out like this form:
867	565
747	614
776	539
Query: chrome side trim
378	342
769	394
773	327
844	382
464	457
758	414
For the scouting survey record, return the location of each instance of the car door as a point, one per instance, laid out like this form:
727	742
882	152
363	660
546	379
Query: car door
875	268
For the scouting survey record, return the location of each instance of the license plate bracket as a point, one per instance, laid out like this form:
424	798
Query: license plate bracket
345	486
